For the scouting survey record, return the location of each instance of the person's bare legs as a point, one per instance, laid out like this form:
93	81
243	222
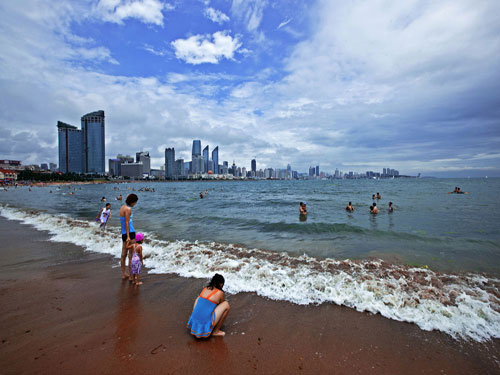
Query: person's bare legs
122	260
131	277
137	281
221	312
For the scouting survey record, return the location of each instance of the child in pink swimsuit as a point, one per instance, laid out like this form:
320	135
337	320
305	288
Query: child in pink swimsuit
135	259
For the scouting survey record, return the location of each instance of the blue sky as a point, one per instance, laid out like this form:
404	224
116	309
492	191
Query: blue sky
354	85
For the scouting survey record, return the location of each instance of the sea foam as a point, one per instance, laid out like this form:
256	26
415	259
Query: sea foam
463	306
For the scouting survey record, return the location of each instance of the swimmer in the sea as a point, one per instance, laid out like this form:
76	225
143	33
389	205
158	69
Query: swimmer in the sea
119	198
390	209
379	196
302	208
103	199
373	196
374	209
349	207
201	195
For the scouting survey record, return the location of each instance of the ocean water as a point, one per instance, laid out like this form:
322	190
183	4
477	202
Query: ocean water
434	261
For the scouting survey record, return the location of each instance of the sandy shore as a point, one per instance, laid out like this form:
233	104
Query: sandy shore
66	311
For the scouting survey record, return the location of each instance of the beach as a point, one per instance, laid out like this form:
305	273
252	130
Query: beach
66	311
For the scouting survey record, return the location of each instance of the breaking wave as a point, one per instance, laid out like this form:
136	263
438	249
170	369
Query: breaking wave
463	306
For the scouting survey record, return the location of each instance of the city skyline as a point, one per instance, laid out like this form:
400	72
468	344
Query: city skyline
355	86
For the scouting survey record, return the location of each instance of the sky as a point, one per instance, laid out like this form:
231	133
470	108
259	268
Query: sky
354	85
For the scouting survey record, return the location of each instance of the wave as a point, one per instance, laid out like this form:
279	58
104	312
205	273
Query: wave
463	306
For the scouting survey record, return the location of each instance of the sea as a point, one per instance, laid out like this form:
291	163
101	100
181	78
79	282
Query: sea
433	261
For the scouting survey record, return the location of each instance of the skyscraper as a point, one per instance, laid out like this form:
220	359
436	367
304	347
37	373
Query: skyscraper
145	159
317	170
206	158
254	165
170	162
196	148
93	142
70	148
215	159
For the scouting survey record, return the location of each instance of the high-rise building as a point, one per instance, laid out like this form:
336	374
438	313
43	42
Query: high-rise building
93	142
179	167
115	167
196	148
169	162
254	165
70	148
215	159
197	164
312	171
44	167
206	158
317	170
145	159
52	166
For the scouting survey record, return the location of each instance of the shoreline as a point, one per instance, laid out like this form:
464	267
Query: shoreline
68	311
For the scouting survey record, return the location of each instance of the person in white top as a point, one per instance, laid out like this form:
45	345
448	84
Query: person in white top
104	215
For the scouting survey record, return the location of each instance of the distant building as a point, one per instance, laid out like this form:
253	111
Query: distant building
93	142
187	167
10	164
70	148
254	166
52	166
158	173
317	170
215	159
196	151
125	159
145	159
114	167
180	168
8	175
44	166
169	162
132	170
312	171
197	164
206	159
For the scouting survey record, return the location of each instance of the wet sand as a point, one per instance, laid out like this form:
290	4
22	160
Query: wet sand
66	311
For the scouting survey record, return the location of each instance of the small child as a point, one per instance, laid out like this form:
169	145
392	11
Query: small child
135	258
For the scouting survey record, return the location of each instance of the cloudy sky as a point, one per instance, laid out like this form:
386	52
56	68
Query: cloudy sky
354	85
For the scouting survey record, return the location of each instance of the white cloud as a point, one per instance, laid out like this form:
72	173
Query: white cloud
216	15
154	51
250	12
147	11
199	49
284	23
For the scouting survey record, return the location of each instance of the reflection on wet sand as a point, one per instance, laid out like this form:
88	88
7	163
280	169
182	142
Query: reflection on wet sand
127	321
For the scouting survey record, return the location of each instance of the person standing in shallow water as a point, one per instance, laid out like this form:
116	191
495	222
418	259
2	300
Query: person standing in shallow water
127	230
210	310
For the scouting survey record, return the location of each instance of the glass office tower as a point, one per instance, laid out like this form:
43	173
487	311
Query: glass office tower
93	142
70	148
206	158
215	159
196	148
170	169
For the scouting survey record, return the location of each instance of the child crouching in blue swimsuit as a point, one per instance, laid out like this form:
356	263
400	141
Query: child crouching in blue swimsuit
135	259
210	310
